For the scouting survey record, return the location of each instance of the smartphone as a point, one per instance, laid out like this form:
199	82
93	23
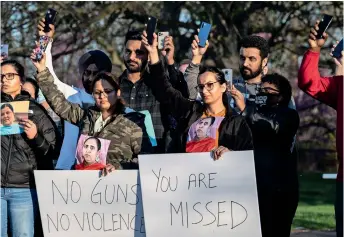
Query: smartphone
228	76
337	52
50	17
161	39
43	43
323	25
203	33
151	25
4	51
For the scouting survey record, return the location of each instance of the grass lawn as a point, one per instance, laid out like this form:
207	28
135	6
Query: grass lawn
315	210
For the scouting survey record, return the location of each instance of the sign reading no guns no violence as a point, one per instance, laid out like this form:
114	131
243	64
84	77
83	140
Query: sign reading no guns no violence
193	195
79	203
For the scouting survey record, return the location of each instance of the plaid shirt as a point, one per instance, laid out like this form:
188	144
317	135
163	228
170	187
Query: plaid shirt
139	97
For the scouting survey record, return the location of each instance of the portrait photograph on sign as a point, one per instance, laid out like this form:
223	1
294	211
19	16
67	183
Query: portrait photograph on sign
11	114
203	134
91	153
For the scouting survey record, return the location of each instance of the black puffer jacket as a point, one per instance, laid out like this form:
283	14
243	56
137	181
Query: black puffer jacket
20	156
234	132
273	130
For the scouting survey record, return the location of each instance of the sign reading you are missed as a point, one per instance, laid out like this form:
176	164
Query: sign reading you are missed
193	195
79	203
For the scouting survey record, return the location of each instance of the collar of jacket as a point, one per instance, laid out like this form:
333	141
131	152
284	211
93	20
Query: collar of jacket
20	97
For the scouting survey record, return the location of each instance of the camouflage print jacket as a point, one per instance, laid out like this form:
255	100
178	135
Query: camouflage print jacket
125	135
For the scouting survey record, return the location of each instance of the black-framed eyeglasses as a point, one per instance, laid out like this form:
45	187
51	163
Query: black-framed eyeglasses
9	76
106	93
209	86
269	90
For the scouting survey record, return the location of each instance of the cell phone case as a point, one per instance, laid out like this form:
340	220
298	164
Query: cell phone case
50	17
323	25
161	39
337	52
151	24
204	33
43	43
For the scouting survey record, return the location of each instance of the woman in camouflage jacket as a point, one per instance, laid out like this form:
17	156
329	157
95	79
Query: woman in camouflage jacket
104	120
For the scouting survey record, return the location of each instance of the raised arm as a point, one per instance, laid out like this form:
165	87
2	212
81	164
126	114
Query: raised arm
323	89
161	87
55	98
67	90
192	71
176	77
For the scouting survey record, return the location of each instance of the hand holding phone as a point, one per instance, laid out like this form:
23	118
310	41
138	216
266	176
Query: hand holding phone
161	39
228	76
151	25
337	51
323	25
50	17
203	34
41	47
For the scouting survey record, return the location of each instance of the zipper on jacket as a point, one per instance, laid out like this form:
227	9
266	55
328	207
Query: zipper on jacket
8	160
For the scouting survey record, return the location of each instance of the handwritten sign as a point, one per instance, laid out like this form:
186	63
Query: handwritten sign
79	203
193	195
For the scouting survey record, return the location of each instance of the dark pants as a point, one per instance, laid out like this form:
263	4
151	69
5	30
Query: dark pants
277	210
339	209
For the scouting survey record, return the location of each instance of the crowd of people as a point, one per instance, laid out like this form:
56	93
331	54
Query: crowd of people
192	107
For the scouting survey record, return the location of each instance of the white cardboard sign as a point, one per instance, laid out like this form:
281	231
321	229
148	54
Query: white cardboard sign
79	203
188	195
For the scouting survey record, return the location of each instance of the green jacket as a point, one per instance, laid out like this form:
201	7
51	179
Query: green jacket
124	134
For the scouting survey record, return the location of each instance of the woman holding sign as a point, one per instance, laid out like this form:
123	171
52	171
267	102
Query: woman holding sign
105	120
227	131
22	153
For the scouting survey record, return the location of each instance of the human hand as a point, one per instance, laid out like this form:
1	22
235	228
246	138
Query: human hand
30	128
152	49
238	97
40	65
314	43
108	169
218	152
40	28
168	50
198	52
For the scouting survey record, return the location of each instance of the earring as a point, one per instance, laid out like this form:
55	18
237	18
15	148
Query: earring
97	159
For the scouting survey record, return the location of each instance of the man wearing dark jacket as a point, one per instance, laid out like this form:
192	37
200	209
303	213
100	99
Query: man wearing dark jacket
135	86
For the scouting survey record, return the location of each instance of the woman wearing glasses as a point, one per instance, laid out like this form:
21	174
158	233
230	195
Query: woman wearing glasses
104	120
21	154
274	127
229	130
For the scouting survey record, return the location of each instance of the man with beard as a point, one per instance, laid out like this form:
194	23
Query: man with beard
135	89
254	53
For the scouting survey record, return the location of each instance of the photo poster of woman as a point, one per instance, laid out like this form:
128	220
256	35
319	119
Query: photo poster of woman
203	134
11	114
91	153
